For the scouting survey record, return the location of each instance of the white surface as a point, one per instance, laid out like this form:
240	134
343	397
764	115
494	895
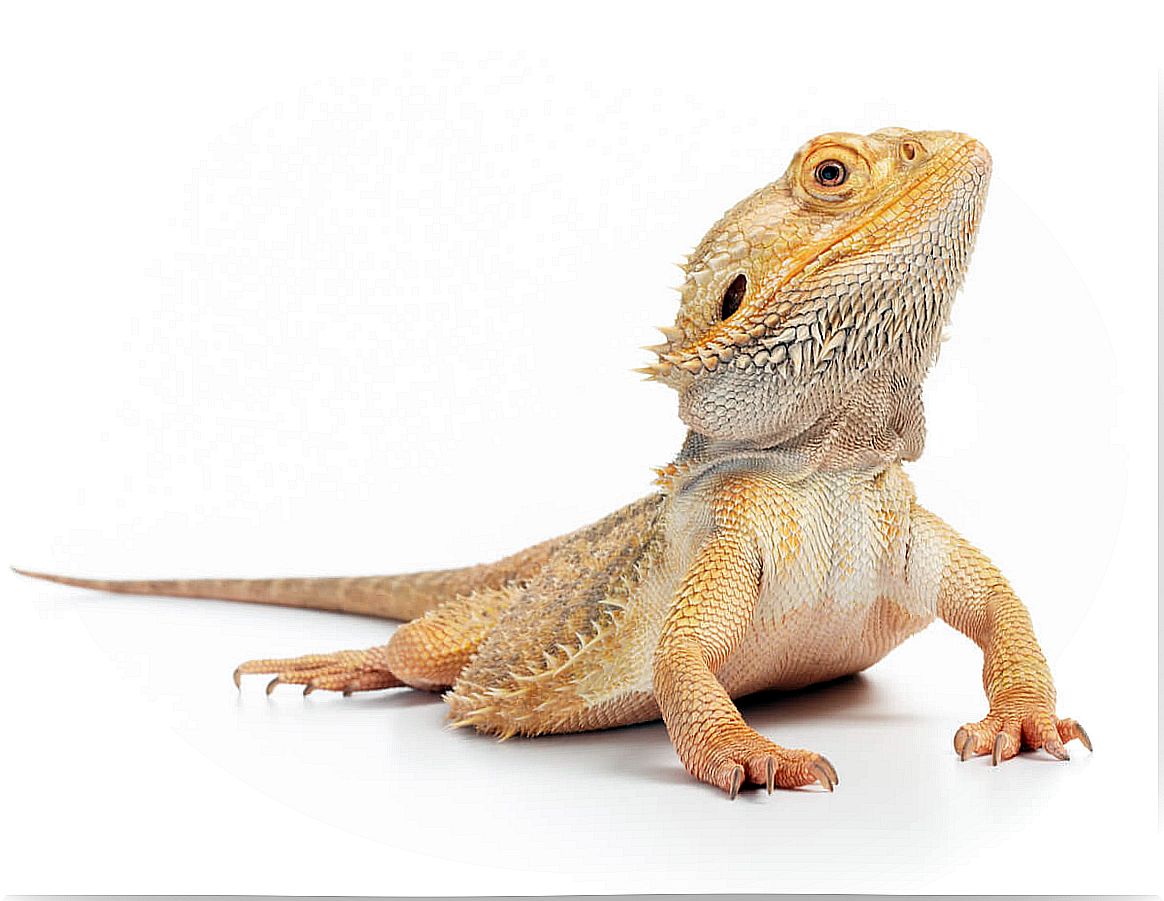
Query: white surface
359	291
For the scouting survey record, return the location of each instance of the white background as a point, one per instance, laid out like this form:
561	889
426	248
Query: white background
345	290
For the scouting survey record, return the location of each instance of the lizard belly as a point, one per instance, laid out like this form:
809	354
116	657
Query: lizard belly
817	642
849	593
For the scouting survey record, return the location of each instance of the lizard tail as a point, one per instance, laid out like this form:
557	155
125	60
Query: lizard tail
401	597
389	597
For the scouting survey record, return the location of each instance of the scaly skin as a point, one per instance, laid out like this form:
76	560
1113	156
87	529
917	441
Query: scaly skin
785	546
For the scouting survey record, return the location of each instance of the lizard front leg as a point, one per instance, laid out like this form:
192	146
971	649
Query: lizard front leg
976	599
710	615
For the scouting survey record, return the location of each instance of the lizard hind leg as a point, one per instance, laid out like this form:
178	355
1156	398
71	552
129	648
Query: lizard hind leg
427	653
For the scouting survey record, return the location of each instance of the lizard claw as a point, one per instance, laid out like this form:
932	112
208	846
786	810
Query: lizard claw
962	743
823	771
271	685
999	746
1069	729
1056	750
737	781
770	774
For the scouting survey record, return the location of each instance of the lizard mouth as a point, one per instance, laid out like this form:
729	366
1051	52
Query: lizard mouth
958	168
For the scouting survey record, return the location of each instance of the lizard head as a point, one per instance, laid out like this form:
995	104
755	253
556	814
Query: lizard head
843	269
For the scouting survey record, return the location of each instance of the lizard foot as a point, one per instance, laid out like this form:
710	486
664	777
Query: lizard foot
346	671
1004	734
751	758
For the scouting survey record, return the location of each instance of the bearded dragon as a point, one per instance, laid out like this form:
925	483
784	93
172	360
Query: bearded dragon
784	545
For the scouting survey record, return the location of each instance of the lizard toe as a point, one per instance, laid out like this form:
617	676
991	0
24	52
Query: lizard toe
346	671
1005	736
764	763
1069	730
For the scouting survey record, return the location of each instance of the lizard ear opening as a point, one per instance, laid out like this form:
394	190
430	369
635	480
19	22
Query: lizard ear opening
733	296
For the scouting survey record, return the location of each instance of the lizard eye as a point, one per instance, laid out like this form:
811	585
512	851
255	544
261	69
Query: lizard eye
830	173
733	296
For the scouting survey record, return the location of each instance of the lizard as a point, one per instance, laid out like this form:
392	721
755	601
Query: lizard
783	546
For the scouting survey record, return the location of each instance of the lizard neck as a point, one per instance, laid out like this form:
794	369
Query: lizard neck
877	422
